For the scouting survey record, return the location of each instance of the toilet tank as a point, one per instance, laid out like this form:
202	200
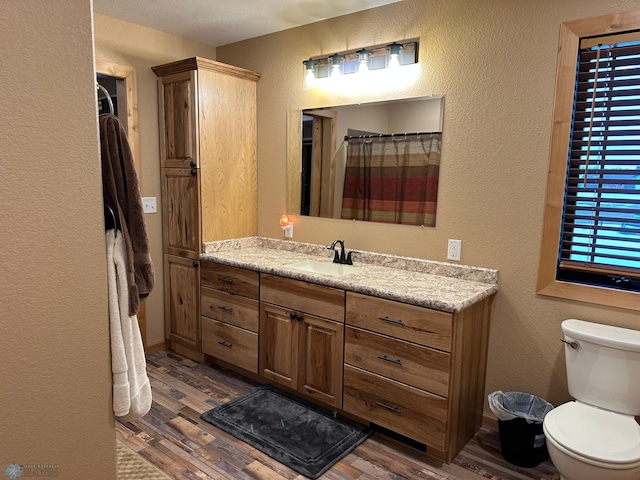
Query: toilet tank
603	365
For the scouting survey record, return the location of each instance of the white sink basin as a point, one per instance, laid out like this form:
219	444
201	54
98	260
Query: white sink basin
324	268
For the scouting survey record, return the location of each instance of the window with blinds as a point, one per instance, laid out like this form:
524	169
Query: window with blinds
600	237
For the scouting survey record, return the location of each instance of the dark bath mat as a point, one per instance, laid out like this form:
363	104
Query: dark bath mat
303	436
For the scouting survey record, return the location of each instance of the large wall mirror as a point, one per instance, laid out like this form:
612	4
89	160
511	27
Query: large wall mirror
374	161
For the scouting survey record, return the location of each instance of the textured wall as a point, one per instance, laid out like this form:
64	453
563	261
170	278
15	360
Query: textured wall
140	47
54	362
494	60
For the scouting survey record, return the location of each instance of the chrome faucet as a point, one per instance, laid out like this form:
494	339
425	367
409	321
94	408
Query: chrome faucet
340	258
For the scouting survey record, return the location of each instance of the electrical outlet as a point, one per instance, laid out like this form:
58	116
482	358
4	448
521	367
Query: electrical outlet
149	205
454	249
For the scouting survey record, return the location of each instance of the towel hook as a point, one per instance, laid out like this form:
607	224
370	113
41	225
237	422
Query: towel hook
107	95
110	221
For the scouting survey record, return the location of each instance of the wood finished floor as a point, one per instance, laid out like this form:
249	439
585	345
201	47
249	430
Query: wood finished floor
174	438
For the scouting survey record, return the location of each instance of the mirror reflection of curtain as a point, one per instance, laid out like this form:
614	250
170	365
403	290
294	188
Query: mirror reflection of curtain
393	179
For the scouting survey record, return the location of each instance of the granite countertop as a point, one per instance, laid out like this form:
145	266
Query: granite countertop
442	286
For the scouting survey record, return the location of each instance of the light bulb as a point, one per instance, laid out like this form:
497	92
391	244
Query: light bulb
394	55
286	225
310	75
335	61
363	61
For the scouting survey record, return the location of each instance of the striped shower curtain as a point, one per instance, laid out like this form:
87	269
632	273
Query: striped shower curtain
392	179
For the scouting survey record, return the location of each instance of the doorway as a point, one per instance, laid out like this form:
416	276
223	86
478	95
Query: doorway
120	82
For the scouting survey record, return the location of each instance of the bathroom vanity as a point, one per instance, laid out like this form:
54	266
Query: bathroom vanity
398	342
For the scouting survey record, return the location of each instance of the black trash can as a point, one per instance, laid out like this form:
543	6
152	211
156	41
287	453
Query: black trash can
520	416
522	443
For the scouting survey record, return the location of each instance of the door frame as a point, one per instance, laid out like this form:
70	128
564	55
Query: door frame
128	96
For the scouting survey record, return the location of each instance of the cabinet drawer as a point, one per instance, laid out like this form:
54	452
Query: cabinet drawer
231	344
239	311
405	362
306	297
230	279
406	410
407	322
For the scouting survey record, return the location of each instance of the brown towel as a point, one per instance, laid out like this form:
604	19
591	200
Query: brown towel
122	193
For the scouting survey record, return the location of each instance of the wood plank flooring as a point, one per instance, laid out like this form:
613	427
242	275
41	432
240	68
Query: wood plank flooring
174	438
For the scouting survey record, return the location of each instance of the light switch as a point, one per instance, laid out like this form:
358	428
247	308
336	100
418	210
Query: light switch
149	205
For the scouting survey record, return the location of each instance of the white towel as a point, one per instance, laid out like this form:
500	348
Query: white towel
131	386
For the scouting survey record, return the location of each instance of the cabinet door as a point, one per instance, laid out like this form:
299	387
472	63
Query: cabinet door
182	318
178	116
181	212
279	345
321	356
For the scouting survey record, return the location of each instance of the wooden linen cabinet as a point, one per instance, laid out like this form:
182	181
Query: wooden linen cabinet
207	123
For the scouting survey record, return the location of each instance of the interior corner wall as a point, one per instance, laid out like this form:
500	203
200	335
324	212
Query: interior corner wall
125	43
494	60
54	362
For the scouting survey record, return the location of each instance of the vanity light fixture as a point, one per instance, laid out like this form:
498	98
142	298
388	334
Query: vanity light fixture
380	57
287	226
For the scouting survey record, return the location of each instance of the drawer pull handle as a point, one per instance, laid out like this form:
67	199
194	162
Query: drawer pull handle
225	344
384	405
226	280
391	320
225	309
391	360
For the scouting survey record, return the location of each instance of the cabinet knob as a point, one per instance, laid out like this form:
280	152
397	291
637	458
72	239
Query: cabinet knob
193	172
193	164
194	264
296	316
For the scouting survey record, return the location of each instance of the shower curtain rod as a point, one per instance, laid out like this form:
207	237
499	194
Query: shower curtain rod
386	135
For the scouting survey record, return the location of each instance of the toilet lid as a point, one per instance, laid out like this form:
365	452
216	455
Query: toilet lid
594	433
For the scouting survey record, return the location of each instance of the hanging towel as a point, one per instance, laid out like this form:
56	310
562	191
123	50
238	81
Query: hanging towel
122	192
131	386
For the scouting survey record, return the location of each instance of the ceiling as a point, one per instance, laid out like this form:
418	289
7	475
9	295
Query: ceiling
220	22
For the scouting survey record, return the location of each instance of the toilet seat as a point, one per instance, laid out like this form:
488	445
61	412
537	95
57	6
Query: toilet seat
598	435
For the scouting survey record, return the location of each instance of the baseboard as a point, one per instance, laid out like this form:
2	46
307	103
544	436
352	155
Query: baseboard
489	421
156	347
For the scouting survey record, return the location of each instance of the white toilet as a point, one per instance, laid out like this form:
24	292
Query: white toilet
596	436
